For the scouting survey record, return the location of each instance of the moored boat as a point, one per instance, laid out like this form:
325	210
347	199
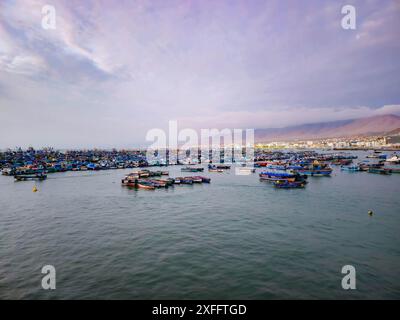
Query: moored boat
352	168
247	170
277	176
379	170
192	169
8	171
284	184
143	184
316	169
25	177
223	166
394	160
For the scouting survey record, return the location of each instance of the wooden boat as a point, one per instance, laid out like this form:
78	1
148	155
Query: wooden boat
394	170
316	170
168	182
158	184
205	179
25	177
223	166
186	180
342	162
284	184
366	166
213	168
379	170
394	160
7	171
247	170
144	173
196	179
277	176
129	182
276	167
194	169
142	184
353	168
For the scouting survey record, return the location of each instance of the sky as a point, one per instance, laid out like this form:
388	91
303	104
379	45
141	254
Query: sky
112	70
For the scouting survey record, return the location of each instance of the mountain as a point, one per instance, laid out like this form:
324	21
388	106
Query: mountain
343	128
394	132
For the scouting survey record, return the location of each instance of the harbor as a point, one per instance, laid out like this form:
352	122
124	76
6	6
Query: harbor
284	169
239	231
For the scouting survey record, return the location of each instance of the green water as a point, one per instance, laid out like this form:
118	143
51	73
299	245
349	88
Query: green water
236	238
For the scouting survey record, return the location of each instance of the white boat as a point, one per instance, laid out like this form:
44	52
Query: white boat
247	169
7	172
394	159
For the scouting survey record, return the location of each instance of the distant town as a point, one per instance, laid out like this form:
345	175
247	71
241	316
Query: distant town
390	142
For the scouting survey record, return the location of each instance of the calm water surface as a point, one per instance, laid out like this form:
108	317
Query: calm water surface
234	238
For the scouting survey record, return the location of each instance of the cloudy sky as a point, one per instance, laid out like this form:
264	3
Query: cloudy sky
112	70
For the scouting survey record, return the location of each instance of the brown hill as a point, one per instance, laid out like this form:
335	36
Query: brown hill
343	128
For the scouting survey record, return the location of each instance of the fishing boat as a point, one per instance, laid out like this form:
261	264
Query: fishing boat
192	169
394	160
158	183
247	170
143	184
213	168
223	166
144	173
342	162
294	167
276	167
196	179
25	177
379	170
284	184
8	171
352	168
366	166
277	176
129	182
186	180
280	176
316	169
394	169
168	181
205	179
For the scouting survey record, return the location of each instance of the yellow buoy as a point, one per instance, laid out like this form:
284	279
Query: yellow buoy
34	189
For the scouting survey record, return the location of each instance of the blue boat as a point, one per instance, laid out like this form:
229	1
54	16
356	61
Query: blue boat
352	168
283	184
282	176
276	167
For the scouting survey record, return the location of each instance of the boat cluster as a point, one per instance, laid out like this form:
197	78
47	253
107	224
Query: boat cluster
380	164
293	174
291	170
144	179
39	162
284	180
